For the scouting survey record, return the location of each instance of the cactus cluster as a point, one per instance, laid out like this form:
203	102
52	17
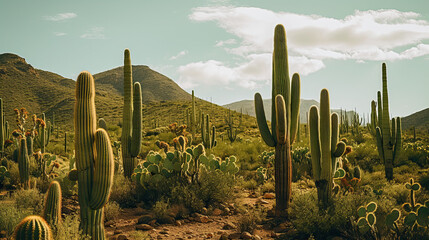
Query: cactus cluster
232	130
208	137
387	132
284	119
94	160
214	163
131	138
325	147
32	228
44	130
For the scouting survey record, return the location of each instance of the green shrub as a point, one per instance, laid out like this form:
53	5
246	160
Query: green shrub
160	209
68	187
215	187
365	155
29	199
123	191
186	195
10	216
69	229
111	211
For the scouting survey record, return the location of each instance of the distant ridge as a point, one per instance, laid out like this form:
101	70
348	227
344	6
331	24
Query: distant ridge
419	120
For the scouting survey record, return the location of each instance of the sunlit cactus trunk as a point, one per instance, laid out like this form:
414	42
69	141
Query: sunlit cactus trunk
131	138
94	160
52	210
24	164
284	120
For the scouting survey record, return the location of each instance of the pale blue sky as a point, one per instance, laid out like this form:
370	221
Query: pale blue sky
222	48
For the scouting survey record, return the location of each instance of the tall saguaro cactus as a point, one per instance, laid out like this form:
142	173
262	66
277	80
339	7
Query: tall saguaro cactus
94	159
2	129
284	119
132	119
387	132
24	164
325	147
209	139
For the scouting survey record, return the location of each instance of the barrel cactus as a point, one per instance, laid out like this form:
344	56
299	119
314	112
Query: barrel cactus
284	120
131	138
325	148
32	228
52	210
94	160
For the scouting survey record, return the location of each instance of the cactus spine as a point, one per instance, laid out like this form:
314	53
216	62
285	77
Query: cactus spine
324	147
284	120
94	159
52	210
388	133
132	119
24	164
32	228
209	139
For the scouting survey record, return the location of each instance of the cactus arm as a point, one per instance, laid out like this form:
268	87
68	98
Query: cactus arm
104	170
379	139
262	122
386	131
136	139
313	125
281	117
393	136
380	110
325	135
295	105
43	134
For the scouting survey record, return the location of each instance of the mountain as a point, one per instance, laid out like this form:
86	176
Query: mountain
419	120
42	91
248	107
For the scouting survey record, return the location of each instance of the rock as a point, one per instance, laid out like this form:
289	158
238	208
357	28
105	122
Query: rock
144	227
209	235
229	226
256	237
117	231
109	223
122	237
261	201
269	195
234	235
226	211
217	212
202	219
145	219
246	235
223	237
178	223
152	223
204	211
163	232
167	220
188	232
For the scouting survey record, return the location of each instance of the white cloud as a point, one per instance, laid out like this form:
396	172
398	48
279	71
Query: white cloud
60	34
374	35
182	53
94	33
60	17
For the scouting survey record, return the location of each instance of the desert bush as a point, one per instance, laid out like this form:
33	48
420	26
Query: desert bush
417	152
424	181
68	187
186	195
123	191
29	199
69	229
215	187
251	218
250	184
111	211
365	155
160	209
268	186
10	216
14	173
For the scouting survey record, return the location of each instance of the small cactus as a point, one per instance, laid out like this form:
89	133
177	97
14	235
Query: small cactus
32	228
24	164
52	210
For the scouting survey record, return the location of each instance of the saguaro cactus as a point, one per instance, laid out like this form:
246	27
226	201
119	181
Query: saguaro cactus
32	228
24	164
209	139
2	129
387	132
132	119
324	147
94	159
284	119
52	210
193	120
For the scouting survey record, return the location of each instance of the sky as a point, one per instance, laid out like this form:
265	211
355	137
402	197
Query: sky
223	48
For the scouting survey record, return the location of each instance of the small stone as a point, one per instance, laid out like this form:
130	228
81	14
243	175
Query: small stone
204	211
234	235
188	232
122	237
145	219
217	212
246	235
269	195
209	235
229	226
152	223
178	223
163	232
109	223
117	231
203	219
261	201
256	237
226	211
144	227
167	220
